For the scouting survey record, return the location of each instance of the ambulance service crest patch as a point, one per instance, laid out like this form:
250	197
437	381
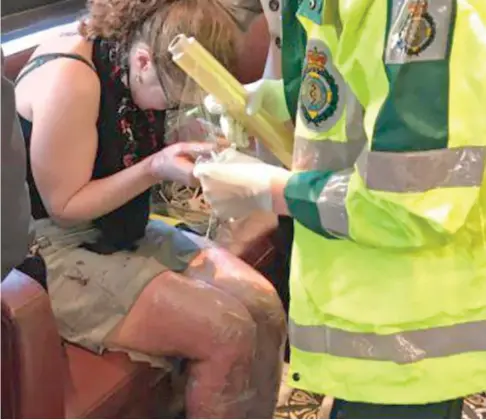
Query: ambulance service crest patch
321	94
418	29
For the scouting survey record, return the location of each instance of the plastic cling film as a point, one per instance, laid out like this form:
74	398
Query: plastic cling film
212	77
253	332
192	123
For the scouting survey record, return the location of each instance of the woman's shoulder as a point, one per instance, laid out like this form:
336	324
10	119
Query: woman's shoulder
70	45
59	66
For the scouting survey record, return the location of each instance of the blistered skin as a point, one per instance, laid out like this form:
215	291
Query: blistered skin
227	320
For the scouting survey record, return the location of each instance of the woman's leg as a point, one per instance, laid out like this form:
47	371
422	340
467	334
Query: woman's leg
178	316
224	271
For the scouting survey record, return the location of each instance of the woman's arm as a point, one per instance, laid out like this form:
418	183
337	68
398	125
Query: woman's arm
63	150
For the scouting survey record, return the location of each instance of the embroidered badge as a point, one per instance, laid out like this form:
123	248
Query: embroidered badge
418	30
321	89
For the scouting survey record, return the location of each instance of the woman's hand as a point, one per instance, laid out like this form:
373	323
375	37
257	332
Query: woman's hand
176	162
195	130
185	129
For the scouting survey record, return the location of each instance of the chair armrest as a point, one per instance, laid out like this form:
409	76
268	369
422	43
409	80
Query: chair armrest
33	362
250	238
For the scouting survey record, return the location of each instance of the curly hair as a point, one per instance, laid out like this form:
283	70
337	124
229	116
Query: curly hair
157	22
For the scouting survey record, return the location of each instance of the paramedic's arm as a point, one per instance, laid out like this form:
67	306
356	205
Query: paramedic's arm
16	234
382	204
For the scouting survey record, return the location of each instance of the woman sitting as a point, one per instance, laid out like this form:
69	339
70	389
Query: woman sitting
92	109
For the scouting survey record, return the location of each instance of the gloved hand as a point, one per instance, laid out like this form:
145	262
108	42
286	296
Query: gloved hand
266	94
235	184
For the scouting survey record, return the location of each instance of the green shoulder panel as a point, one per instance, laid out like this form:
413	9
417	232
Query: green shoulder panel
415	114
293	52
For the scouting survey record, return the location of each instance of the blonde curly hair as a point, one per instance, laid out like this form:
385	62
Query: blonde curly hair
157	22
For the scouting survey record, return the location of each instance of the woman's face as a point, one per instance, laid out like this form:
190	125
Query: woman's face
147	90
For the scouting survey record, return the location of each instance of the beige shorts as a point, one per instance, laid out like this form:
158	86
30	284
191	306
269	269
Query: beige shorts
91	293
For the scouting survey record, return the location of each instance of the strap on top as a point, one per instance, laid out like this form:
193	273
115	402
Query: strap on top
44	58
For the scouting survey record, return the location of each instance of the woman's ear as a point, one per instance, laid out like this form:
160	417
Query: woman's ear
142	61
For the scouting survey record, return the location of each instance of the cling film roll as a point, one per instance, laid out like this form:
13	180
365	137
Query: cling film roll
212	77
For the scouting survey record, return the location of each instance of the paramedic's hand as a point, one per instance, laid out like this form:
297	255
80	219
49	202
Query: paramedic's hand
264	93
235	185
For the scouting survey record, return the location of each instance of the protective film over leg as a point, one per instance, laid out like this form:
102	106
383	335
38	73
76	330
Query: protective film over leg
253	291
183	317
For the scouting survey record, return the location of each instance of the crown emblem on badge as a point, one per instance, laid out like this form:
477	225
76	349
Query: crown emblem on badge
418	30
316	59
319	90
418	8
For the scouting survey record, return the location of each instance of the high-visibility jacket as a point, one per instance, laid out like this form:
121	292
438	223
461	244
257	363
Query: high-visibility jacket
388	277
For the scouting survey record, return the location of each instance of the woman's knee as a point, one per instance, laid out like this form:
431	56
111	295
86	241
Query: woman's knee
263	303
255	292
235	333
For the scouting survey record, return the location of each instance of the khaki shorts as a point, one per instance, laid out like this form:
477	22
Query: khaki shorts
91	293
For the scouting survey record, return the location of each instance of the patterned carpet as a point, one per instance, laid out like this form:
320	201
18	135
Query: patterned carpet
475	407
296	404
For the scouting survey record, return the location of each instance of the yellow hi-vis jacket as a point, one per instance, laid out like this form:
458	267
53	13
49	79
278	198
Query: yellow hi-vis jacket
388	279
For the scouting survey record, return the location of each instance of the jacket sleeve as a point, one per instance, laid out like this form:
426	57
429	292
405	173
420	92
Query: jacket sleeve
393	200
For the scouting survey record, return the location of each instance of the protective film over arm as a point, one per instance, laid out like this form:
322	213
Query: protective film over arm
422	177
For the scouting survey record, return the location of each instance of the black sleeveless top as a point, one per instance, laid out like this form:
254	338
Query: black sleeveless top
126	134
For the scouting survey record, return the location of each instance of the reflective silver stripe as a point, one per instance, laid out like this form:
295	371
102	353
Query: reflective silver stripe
324	155
403	348
331	204
400	173
339	157
422	171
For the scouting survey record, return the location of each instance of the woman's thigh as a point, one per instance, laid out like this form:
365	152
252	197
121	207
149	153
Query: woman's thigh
137	301
91	293
179	316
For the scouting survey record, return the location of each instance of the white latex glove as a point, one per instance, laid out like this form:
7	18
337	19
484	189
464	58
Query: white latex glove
235	184
266	94
234	132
